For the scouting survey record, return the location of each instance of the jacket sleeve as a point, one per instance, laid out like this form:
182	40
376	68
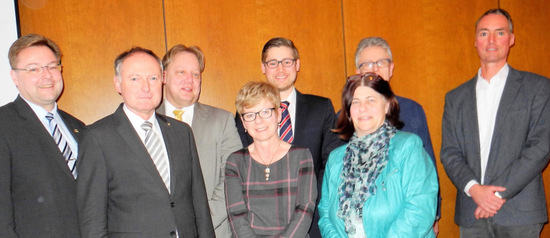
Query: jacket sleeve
330	139
302	217
535	151
420	186
236	208
202	210
327	228
92	188
230	142
452	149
7	223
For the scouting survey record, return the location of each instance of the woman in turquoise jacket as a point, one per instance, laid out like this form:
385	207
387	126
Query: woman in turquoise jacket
382	183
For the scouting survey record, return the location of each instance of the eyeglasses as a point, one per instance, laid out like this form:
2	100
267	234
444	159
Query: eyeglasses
35	69
273	64
370	65
251	116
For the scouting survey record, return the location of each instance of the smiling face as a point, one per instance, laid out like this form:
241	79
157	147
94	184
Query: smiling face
183	80
493	39
368	110
281	77
262	129
140	84
44	88
374	54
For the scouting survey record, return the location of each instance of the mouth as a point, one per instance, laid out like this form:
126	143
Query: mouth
280	77
46	86
188	89
364	118
260	129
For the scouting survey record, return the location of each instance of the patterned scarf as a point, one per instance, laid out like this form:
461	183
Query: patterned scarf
365	158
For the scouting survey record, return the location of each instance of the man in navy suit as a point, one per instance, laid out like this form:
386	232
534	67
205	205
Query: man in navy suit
37	180
312	117
496	140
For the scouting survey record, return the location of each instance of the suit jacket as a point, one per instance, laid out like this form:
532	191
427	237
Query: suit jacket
120	192
37	189
314	120
519	149
216	137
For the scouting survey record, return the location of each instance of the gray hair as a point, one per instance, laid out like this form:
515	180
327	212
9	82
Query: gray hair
368	42
499	11
128	53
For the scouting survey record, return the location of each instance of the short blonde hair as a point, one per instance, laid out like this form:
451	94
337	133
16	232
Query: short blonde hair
252	93
179	48
29	40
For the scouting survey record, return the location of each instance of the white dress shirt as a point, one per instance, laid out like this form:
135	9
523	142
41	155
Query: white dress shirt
67	135
188	112
488	95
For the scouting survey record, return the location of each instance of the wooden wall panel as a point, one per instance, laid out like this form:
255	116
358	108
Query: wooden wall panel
432	42
232	34
91	34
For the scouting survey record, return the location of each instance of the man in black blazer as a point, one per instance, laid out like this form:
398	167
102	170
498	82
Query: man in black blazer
37	187
312	117
496	140
139	172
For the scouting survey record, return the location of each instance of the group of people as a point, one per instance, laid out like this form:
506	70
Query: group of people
285	165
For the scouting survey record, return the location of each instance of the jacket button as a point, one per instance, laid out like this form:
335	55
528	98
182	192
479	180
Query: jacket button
173	233
172	204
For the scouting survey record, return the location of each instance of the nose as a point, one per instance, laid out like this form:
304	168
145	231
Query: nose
145	86
492	37
280	66
187	77
46	72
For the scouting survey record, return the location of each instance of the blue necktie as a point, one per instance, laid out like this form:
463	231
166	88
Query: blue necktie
285	128
62	143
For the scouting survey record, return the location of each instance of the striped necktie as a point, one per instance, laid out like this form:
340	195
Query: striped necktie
285	128
62	144
156	151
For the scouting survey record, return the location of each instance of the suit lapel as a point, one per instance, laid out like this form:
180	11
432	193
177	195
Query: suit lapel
199	116
470	123
73	128
509	94
300	121
129	135
166	129
37	130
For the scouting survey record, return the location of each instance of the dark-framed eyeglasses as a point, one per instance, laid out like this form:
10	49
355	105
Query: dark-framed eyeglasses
35	69
369	65
251	116
273	64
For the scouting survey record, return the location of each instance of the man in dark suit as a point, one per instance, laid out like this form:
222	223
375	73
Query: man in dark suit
214	128
139	173
37	180
312	117
496	140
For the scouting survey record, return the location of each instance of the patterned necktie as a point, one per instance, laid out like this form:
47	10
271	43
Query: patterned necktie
178	113
156	151
285	128
62	144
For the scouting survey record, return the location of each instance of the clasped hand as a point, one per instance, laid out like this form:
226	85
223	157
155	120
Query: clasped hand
487	201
